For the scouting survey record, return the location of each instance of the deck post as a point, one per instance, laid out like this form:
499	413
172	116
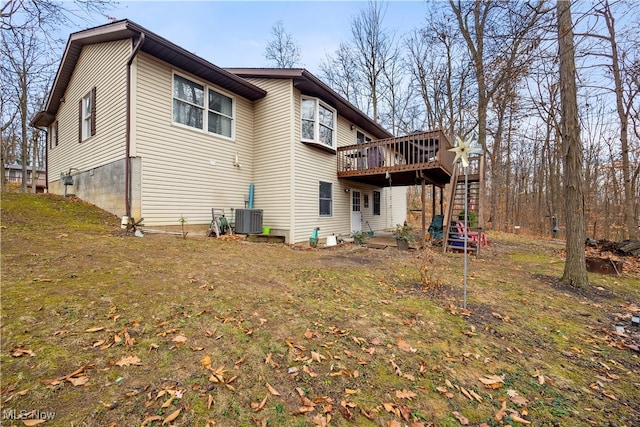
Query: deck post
433	201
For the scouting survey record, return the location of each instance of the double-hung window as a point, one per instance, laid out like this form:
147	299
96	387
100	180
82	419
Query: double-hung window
325	199
190	109
220	115
188	102
318	123
376	202
87	116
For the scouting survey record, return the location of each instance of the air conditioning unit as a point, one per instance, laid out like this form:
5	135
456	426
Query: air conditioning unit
248	221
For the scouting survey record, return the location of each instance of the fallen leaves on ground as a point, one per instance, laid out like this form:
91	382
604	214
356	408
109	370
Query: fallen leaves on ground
492	381
129	360
20	351
461	418
272	390
179	340
405	346
171	417
77	377
33	422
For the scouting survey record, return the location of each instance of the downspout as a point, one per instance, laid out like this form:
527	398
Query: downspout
127	160
46	158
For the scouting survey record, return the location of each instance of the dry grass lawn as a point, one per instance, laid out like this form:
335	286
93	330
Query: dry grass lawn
101	329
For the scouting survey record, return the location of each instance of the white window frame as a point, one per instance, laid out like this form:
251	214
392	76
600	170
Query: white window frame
330	199
86	116
205	108
53	135
316	123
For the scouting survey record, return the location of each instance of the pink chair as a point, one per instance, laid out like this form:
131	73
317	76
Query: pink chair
475	237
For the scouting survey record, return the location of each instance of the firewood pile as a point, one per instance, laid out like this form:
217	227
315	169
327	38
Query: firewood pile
607	255
624	248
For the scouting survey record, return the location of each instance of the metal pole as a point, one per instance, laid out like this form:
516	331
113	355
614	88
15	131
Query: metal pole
465	236
424	212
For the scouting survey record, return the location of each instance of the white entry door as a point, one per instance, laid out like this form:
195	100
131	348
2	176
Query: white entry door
356	211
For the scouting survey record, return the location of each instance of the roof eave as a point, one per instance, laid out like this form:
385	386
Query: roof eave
311	85
164	50
42	119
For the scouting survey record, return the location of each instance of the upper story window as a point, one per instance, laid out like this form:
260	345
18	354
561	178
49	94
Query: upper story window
87	116
318	123
361	138
189	107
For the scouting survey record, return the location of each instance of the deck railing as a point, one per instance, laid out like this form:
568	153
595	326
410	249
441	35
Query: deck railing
412	152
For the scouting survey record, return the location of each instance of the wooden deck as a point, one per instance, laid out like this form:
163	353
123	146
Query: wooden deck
398	161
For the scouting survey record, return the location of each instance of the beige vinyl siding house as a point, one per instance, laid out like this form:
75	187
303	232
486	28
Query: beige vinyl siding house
274	163
186	171
309	164
100	66
176	136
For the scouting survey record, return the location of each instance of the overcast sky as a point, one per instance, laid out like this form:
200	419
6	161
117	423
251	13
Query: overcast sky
236	33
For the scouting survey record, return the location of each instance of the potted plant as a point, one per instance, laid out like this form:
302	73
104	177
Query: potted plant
359	237
404	235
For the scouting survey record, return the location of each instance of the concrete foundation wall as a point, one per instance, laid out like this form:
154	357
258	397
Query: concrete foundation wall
104	187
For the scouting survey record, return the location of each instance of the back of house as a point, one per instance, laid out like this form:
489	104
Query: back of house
145	129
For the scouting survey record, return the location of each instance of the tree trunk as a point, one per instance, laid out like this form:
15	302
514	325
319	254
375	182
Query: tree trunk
3	172
629	217
24	147
34	163
575	271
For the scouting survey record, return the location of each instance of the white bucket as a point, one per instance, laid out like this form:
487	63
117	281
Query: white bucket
331	241
125	222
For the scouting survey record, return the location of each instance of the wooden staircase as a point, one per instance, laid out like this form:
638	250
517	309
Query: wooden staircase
452	239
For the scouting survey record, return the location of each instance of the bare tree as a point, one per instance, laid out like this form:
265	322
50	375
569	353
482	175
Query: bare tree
27	45
340	71
366	69
48	15
27	59
283	51
395	95
500	37
624	101
374	48
575	272
8	114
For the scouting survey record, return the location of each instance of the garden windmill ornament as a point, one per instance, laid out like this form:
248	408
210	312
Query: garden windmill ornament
463	149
